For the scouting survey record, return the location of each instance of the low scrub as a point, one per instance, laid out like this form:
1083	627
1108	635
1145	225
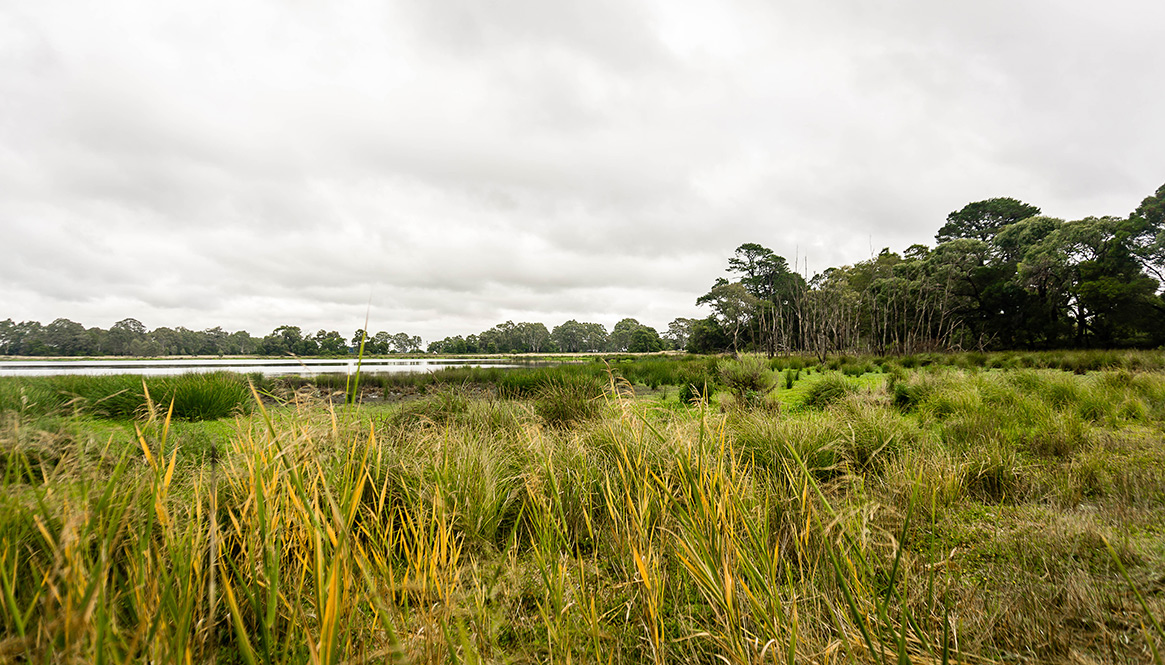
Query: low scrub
750	380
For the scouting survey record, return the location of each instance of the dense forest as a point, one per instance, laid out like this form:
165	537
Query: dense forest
1000	276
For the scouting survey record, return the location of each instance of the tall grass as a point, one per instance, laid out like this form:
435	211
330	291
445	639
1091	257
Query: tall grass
196	396
575	523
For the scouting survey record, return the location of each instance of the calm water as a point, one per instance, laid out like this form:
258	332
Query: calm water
267	366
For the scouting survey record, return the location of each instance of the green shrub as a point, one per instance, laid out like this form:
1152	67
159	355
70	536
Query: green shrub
693	393
829	389
749	379
1056	435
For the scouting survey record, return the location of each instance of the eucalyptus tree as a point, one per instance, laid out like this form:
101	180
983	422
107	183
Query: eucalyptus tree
7	337
124	334
1147	234
240	342
777	292
381	343
575	337
645	340
330	342
66	338
732	307
622	333
405	343
830	311
708	336
361	339
533	336
679	331
983	219
283	340
1103	289
594	337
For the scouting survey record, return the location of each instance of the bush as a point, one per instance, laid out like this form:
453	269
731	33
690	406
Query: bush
829	389
691	393
749	379
872	434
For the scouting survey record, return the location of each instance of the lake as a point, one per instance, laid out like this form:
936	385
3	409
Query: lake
266	366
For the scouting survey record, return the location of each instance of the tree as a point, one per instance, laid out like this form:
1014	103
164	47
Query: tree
282	341
708	336
330	343
732	305
620	337
645	340
1147	233
982	219
361	340
594	337
123	334
66	338
403	343
8	337
381	343
241	343
679	331
1109	299
448	345
568	336
532	337
214	341
766	276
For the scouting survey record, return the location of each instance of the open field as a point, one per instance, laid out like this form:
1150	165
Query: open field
968	508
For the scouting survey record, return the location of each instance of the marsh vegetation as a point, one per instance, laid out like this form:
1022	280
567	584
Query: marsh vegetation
944	508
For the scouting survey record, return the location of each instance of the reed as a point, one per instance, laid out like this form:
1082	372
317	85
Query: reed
475	525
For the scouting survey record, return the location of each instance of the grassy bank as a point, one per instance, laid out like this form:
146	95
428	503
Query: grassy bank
798	515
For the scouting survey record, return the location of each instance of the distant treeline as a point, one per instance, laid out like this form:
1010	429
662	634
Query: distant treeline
1001	276
570	337
129	337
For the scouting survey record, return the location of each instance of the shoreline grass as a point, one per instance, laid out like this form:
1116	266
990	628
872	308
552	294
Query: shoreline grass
929	514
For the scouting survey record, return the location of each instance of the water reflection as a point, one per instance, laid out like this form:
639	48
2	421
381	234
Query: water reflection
266	366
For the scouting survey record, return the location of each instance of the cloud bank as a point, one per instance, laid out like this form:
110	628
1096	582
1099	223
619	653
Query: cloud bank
446	166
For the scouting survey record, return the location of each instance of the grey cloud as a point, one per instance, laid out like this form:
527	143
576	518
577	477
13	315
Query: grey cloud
256	163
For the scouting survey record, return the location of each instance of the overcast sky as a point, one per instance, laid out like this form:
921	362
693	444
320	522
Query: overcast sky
253	163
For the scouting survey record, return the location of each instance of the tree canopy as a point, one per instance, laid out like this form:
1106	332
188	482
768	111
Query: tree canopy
1000	276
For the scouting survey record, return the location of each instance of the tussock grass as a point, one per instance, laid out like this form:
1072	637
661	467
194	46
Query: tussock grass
992	516
828	389
196	396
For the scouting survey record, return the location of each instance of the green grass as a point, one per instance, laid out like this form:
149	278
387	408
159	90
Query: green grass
935	514
196	396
